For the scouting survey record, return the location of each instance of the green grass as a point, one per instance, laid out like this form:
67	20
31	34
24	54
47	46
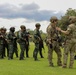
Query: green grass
31	67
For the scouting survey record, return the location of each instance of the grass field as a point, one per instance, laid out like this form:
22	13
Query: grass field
31	67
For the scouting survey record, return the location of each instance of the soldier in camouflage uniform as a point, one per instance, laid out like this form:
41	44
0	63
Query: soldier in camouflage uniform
1	44
22	41
2	41
52	42
70	43
5	45
37	38
11	38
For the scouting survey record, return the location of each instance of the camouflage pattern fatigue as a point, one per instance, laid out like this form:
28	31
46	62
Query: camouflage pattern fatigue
5	45
1	48
15	48
27	44
11	37
53	45
36	41
1	45
22	43
70	45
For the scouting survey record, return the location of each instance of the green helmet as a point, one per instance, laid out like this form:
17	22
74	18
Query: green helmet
37	25
53	18
22	26
72	19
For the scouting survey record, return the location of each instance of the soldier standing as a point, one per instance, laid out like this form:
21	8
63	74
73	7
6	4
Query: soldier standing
37	38
1	45
52	42
70	43
3	31
11	38
22	41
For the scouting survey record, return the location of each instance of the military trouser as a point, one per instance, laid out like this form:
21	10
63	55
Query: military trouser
55	47
40	52
16	50
11	50
1	50
22	47
27	50
6	46
69	48
35	53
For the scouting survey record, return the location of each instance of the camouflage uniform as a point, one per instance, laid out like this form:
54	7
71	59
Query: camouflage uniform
52	43
22	41
5	45
27	44
11	38
1	44
37	37
70	44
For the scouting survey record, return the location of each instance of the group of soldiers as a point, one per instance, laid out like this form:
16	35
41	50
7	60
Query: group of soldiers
9	40
69	44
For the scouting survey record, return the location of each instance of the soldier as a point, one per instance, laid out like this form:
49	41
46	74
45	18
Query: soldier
3	31
11	38
52	41
70	43
2	42
23	41
37	39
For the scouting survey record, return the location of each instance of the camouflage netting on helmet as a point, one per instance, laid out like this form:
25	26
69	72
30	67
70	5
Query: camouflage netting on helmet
53	18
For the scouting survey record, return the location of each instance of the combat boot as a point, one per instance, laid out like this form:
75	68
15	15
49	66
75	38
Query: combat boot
51	65
70	66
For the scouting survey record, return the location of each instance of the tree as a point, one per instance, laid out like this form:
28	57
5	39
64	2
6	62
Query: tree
71	12
64	21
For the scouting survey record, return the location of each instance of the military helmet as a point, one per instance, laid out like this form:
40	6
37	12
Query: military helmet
53	18
12	29
22	26
3	28
72	19
37	25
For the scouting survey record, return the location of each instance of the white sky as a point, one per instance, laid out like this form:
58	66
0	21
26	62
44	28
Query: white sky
56	5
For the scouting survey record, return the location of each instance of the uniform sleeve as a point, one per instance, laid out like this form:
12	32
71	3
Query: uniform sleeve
69	29
49	30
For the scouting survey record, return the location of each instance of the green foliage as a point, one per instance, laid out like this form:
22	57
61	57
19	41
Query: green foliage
64	21
71	12
31	67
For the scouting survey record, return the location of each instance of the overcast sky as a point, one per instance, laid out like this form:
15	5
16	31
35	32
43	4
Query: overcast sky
30	12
